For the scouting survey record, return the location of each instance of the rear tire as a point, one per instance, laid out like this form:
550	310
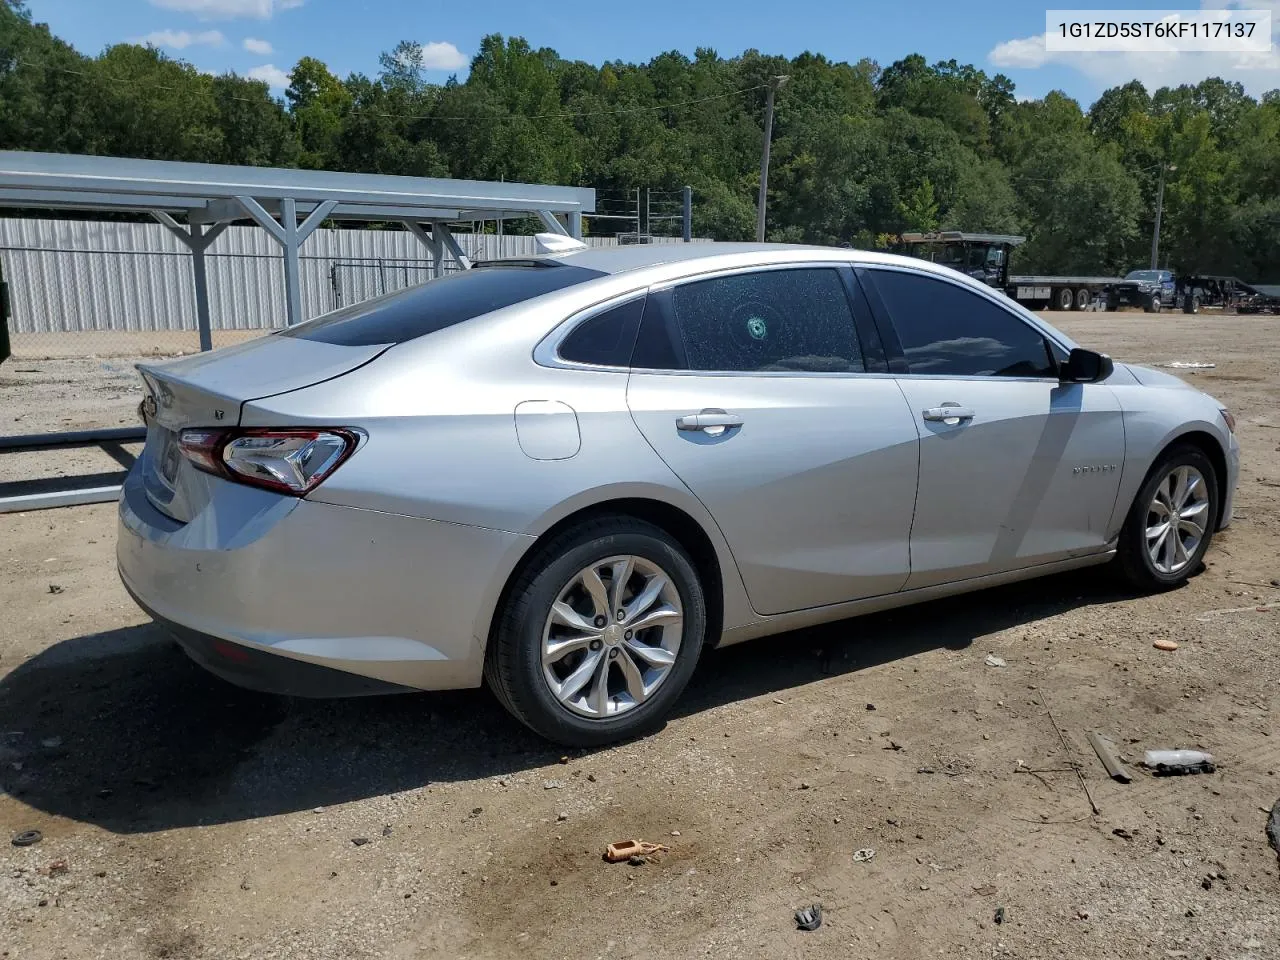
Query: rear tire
1063	299
577	571
1083	299
1153	304
1182	482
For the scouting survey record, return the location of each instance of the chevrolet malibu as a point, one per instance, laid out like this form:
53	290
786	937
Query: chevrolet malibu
568	476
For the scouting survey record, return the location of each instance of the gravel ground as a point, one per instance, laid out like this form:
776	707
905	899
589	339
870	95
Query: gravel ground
185	818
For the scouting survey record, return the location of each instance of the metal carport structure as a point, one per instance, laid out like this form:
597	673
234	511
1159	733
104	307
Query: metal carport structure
197	201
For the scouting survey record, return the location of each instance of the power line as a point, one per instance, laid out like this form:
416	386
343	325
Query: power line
427	116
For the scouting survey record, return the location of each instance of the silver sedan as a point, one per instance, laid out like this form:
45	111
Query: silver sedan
567	476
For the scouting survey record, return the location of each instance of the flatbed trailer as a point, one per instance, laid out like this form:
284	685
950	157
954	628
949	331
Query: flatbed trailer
1065	293
985	257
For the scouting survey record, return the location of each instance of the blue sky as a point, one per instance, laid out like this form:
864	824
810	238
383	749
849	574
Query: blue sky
264	38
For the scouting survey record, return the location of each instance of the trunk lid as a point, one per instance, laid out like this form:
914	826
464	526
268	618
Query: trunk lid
210	389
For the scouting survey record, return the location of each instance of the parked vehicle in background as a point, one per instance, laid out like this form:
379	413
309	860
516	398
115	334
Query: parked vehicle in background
986	257
568	475
1260	298
1153	290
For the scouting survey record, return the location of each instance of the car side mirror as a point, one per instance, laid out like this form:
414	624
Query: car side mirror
1085	366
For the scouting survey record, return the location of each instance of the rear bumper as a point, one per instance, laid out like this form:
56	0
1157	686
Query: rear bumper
312	599
255	669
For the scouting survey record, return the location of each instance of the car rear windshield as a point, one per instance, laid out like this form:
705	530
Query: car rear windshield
428	307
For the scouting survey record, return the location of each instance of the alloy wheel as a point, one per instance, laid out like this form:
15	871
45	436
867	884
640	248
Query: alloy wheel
1177	518
612	636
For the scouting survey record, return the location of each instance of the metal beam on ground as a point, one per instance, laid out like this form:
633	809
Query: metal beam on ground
59	498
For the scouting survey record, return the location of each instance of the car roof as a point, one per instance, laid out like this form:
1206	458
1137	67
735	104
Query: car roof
622	259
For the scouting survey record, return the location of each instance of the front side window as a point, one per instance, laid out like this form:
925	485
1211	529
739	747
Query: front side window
947	330
768	321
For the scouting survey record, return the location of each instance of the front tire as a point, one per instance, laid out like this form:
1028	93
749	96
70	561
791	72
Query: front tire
600	634
1171	522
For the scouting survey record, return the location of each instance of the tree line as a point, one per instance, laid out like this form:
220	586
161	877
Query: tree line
860	153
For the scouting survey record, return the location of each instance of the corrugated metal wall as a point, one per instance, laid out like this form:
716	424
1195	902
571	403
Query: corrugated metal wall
75	275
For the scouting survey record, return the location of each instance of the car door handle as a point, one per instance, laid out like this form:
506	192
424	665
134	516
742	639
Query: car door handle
944	414
709	421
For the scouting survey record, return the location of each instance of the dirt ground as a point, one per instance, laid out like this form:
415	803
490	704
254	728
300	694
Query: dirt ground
185	818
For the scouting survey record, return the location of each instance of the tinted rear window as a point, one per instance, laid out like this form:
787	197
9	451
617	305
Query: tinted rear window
426	308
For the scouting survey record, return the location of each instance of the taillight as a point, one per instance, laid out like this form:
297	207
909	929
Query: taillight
286	460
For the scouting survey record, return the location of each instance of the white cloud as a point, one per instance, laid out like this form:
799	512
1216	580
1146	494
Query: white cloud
229	9
261	47
274	77
181	39
1256	72
442	56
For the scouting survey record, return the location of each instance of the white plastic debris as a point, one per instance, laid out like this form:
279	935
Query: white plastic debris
994	661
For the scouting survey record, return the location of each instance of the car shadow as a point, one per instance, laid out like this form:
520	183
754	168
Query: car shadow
121	730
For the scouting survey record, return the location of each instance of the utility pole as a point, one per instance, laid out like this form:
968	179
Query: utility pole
1155	234
774	84
686	214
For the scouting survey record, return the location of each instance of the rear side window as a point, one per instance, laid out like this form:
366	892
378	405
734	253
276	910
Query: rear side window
947	330
428	307
767	321
607	338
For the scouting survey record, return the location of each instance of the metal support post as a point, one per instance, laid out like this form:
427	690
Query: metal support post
575	224
451	244
291	235
197	241
686	215
431	243
551	222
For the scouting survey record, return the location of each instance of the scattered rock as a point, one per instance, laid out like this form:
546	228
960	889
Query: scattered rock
591	778
999	917
675	833
476	811
561	817
994	661
359	841
1164	644
871	707
637	861
986	890
1122	833
551	784
386	830
55	588
865	855
804	784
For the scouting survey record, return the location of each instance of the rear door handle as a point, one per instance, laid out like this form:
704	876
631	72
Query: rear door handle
946	414
710	421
